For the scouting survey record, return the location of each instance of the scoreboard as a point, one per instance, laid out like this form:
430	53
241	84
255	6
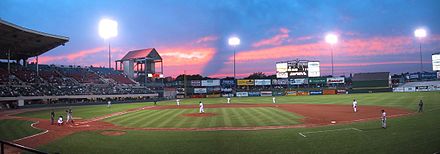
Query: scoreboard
297	69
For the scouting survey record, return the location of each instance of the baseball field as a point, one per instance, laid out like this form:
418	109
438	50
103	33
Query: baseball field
294	124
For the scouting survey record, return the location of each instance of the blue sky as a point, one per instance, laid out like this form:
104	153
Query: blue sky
192	34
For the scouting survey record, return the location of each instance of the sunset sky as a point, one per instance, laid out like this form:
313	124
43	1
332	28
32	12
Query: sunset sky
191	35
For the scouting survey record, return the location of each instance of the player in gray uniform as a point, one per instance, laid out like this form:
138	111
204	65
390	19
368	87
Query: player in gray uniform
384	119
421	106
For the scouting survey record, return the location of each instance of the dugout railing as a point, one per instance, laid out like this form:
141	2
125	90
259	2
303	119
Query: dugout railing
3	145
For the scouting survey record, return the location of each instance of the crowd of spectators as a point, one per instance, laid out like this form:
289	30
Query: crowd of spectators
61	81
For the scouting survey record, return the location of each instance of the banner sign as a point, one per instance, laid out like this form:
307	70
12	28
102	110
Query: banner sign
196	83
227	95
278	93
316	92
291	93
341	91
210	83
213	96
329	92
227	82
245	82
226	89
314	69
200	90
280	81
262	82
254	93
317	80
282	75
302	93
213	89
266	93
242	94
336	80
297	81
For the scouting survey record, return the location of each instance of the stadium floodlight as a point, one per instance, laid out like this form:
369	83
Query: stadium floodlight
234	41
420	33
331	39
107	29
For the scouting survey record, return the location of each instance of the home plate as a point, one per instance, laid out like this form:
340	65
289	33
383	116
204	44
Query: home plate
333	121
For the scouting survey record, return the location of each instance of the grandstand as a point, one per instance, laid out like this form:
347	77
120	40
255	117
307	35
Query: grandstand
23	83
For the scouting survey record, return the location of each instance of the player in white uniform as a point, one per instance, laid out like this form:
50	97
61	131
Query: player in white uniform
355	105
229	100
273	100
201	109
109	104
178	102
384	119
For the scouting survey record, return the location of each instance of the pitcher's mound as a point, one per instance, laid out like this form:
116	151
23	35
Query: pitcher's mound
200	114
112	133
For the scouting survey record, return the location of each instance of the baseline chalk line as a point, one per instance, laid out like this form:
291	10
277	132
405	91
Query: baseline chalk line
303	134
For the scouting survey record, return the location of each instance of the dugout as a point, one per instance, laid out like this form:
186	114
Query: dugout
371	82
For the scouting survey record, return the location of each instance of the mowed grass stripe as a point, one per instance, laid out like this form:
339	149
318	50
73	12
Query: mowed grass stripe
146	116
135	118
226	117
158	118
280	117
172	119
269	119
240	118
183	121
254	119
128	116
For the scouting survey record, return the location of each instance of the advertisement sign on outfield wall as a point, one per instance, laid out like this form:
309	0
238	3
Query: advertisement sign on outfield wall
335	80
196	83
242	94
210	83
280	81
291	93
245	82
317	80
227	82
266	93
254	93
262	82
226	89
315	92
200	90
297	81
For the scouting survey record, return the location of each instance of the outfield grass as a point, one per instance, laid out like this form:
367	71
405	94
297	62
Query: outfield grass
84	112
413	134
226	117
11	129
417	133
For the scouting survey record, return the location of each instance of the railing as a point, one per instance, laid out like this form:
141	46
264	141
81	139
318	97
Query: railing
28	149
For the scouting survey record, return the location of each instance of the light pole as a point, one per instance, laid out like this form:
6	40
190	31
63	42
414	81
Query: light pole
420	33
234	41
107	29
331	39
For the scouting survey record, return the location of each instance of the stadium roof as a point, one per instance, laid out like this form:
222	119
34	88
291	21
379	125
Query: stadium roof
371	76
149	53
25	43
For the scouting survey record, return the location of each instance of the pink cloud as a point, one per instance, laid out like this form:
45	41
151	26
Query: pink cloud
275	40
206	39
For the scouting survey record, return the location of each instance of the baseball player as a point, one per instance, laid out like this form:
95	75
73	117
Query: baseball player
109	104
178	102
201	109
355	105
384	119
273	100
69	116
229	100
52	117
60	121
420	106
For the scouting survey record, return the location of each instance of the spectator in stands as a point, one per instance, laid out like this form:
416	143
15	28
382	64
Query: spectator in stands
420	106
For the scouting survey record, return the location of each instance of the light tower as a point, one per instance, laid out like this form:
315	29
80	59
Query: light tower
420	33
234	41
331	39
107	29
